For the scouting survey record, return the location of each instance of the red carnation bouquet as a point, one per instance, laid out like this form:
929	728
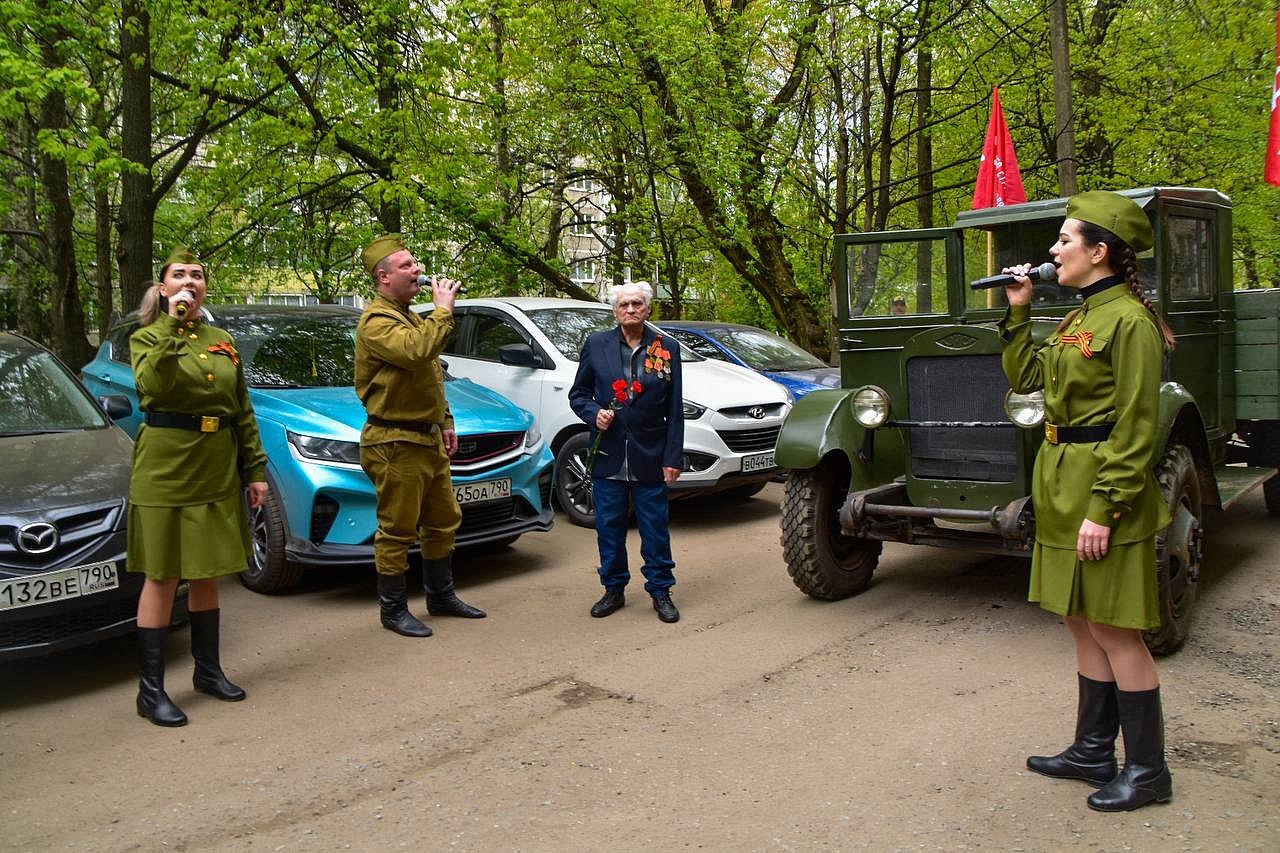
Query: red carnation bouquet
622	394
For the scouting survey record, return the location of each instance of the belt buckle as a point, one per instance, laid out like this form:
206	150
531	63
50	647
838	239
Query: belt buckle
210	423
1051	432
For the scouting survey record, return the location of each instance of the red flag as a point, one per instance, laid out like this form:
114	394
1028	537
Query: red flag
1272	171
999	181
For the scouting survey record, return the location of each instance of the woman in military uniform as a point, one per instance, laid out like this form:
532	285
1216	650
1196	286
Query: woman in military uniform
1098	506
186	512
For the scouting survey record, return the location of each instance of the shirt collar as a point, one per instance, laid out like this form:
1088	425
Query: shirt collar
1101	285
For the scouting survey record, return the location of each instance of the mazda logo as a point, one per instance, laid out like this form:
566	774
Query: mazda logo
39	537
756	412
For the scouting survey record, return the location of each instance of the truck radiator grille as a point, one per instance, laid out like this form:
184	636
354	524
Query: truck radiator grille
960	388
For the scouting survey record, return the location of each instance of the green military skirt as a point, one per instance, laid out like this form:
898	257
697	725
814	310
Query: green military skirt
1118	590
189	542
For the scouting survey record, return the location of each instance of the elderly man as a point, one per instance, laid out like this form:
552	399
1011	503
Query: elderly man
409	436
628	391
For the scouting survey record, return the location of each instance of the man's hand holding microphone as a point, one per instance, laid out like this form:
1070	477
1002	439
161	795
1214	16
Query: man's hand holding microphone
444	291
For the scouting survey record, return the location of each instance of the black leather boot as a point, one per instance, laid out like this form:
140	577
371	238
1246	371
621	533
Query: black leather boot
1145	777
612	601
437	579
153	702
394	604
208	676
1092	758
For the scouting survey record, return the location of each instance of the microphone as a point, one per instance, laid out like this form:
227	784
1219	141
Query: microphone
1045	272
181	309
424	280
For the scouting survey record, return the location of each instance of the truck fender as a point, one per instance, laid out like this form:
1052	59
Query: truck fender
819	424
1180	421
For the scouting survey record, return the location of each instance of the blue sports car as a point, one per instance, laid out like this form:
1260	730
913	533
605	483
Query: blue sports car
796	369
300	366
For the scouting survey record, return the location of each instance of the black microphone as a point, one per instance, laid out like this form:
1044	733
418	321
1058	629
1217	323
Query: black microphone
424	280
1045	272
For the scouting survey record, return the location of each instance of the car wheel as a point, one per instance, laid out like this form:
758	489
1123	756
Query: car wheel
823	562
268	570
1178	550
573	483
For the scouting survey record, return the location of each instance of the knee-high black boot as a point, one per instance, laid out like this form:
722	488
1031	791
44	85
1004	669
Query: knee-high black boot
437	578
1145	777
1092	758
394	604
208	676
153	702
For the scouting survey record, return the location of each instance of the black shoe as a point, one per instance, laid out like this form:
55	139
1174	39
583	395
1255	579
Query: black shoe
1092	757
437	581
153	703
1145	777
613	599
666	608
208	676
394	606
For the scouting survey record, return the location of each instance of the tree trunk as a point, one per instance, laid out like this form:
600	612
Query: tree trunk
924	167
136	225
1064	117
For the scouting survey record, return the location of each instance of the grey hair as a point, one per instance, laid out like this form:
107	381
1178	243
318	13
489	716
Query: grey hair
645	291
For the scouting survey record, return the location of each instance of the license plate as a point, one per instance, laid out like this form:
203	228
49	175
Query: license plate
59	585
758	462
487	490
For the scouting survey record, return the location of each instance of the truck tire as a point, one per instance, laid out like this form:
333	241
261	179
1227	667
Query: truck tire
269	570
1178	550
573	483
823	562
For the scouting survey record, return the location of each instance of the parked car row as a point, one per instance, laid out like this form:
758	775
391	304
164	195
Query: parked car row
509	368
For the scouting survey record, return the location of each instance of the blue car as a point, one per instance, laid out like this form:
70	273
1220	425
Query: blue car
796	369
300	366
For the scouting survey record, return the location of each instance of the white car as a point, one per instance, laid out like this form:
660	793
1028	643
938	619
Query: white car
526	348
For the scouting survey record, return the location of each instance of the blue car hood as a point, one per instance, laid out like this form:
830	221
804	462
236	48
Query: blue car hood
342	415
823	377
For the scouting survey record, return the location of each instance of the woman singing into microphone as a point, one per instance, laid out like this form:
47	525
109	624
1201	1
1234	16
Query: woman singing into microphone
198	444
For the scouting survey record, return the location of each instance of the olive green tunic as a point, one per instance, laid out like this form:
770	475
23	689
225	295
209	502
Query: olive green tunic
399	378
1107	370
186	505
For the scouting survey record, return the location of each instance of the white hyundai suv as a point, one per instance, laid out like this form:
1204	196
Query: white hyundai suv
526	348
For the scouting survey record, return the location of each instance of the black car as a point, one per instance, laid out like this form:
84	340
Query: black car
64	486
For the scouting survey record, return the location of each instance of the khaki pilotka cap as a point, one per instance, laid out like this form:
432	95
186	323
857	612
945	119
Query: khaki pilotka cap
1112	211
381	247
181	255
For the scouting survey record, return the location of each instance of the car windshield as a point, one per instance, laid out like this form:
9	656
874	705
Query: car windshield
568	328
297	350
41	396
763	350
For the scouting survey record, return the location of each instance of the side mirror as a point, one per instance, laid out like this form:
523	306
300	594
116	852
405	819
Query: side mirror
116	406
518	355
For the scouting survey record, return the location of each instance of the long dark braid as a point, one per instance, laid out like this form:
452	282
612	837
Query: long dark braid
1125	261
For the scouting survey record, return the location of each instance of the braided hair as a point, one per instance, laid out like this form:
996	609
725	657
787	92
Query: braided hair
1125	261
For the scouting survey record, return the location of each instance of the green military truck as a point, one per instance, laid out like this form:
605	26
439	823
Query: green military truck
926	444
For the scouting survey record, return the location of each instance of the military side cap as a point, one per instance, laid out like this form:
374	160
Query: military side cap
1112	211
387	244
182	255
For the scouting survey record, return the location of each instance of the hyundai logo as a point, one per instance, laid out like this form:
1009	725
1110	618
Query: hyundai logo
39	537
756	412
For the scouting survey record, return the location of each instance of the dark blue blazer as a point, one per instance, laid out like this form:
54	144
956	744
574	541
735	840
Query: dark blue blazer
650	428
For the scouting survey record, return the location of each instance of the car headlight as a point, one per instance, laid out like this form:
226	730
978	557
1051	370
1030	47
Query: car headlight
870	406
1025	410
325	449
692	411
532	438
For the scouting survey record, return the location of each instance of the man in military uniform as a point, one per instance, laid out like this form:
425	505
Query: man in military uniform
406	444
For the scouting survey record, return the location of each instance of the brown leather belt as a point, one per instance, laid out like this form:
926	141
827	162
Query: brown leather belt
1055	434
198	423
413	426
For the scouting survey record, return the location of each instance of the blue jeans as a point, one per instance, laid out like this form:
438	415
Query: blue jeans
655	534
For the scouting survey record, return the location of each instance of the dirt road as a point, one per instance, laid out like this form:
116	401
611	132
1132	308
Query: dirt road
761	721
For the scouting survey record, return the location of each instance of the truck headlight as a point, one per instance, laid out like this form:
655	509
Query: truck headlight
870	406
1025	410
325	449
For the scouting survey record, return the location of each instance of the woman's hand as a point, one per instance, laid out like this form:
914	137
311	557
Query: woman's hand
257	494
1020	293
182	298
1092	541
